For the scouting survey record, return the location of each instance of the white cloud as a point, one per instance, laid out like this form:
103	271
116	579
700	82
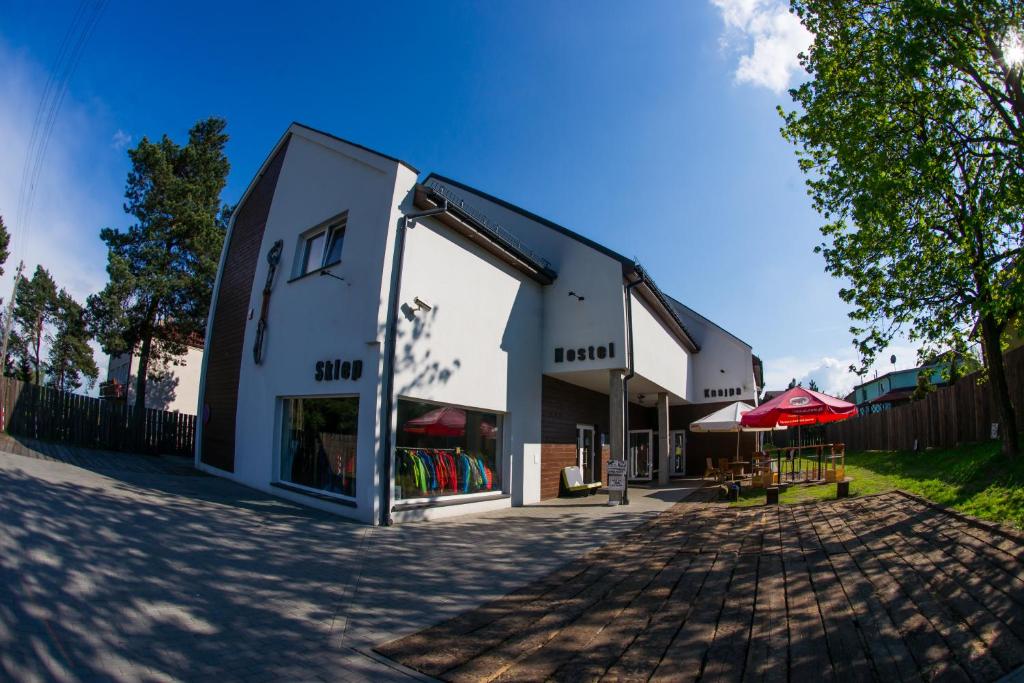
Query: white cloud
831	373
770	38
78	192
121	140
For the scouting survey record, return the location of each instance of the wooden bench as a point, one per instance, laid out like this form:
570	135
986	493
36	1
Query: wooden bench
572	482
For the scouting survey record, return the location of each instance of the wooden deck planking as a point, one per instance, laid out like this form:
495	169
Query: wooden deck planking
880	588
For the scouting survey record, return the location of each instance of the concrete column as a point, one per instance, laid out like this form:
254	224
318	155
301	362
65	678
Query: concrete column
664	439
616	414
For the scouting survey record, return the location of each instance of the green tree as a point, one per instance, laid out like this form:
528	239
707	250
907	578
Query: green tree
162	267
793	384
34	302
916	174
70	360
5	245
813	386
924	386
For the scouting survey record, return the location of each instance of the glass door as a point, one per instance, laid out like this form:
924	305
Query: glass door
640	442
586	453
677	457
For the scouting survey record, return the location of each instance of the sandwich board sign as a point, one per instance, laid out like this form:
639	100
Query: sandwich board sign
617	475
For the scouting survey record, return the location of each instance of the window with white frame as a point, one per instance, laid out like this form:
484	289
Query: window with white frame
321	246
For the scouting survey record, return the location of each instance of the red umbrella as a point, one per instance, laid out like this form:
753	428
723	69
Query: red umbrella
798	407
446	421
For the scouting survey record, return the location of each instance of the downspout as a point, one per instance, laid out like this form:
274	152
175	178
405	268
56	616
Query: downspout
629	375
390	336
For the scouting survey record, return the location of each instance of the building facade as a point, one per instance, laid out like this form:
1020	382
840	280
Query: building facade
394	349
893	388
172	385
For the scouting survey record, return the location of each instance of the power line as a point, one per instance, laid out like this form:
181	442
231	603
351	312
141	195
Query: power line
69	53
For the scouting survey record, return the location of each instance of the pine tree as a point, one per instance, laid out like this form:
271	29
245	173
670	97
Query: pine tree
34	303
71	360
162	268
813	386
5	245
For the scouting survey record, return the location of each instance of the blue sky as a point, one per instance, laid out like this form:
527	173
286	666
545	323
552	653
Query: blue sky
650	127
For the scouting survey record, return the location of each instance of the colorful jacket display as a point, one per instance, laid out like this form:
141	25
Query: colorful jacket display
428	472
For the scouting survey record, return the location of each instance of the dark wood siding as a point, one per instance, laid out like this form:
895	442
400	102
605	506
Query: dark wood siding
224	347
563	406
699	447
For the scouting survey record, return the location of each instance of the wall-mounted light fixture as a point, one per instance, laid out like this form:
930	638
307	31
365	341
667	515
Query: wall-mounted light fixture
420	304
578	297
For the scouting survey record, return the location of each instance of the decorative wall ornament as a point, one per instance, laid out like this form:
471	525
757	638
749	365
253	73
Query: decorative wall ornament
273	258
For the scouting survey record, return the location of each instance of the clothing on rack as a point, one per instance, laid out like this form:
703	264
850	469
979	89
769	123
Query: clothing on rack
435	471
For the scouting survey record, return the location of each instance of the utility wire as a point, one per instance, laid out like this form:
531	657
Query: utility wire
69	54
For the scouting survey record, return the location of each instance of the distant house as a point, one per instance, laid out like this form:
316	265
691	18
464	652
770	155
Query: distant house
892	388
172	386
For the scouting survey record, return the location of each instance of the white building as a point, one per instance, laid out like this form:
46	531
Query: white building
424	349
172	385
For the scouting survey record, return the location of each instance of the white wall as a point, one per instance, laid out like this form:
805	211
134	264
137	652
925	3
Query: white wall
723	362
176	390
657	355
316	318
480	344
568	323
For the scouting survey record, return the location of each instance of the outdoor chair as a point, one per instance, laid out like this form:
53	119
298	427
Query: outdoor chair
764	474
712	472
573	484
723	464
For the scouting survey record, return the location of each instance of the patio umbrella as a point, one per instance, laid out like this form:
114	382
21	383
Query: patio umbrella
728	420
446	421
798	407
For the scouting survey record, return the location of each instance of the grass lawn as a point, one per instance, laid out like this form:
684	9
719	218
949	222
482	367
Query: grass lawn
974	479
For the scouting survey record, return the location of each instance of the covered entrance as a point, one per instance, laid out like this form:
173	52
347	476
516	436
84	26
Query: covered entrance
586	451
677	455
641	443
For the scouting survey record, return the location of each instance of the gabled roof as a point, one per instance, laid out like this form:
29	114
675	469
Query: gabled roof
687	309
892	396
456	217
891	373
358	146
629	266
534	217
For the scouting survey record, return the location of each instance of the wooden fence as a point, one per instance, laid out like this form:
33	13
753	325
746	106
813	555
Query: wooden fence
52	415
960	413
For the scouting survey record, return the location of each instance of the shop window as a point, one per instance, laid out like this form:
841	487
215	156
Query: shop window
318	444
321	246
446	451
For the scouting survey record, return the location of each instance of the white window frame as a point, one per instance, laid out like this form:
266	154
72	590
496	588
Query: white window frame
327	229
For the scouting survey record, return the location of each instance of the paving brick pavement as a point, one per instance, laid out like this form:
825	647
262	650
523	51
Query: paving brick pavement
885	588
129	568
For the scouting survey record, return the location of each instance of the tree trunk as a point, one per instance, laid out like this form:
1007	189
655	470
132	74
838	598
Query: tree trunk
990	336
139	415
38	342
139	412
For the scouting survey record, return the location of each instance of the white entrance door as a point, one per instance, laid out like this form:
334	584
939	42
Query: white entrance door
640	443
586	453
677	456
